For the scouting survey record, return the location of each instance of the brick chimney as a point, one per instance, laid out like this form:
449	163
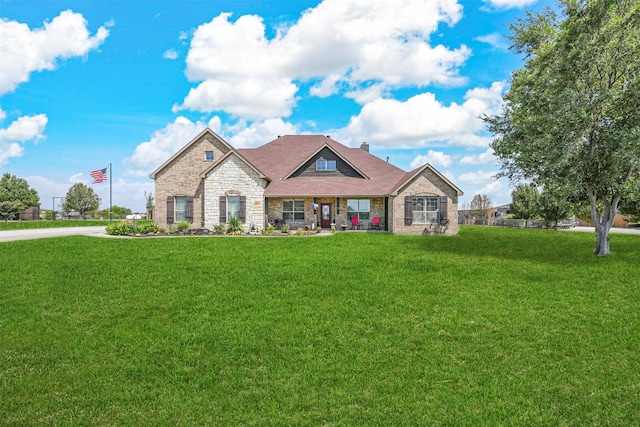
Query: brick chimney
365	146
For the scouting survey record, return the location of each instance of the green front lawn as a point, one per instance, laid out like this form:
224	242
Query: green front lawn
493	327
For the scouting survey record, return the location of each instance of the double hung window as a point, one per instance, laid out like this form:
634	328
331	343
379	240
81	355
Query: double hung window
233	207
180	208
359	208
425	210
293	210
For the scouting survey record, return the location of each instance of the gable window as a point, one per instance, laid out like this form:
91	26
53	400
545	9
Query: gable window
293	210
359	208
425	210
325	165
208	156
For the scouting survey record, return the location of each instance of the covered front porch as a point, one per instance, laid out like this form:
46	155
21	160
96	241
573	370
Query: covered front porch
343	213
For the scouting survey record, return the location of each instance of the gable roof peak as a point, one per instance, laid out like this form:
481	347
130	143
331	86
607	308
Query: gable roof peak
205	132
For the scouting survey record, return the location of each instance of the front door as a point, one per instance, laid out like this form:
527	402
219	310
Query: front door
325	215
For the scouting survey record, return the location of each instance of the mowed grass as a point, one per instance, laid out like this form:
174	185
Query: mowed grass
28	225
492	327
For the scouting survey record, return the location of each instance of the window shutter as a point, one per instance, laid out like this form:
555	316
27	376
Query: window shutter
189	209
408	210
443	208
170	209
243	208
223	209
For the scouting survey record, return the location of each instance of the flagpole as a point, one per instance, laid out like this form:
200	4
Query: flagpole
110	188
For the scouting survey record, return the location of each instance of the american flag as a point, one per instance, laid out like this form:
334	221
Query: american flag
99	175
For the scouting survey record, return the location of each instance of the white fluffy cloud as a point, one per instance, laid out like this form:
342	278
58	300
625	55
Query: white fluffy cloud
24	129
437	159
509	4
340	44
164	143
170	54
479	177
24	51
250	98
422	119
498	41
258	133
479	159
494	189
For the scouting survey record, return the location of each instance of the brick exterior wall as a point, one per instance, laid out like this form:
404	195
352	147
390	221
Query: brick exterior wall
234	177
427	184
275	210
181	177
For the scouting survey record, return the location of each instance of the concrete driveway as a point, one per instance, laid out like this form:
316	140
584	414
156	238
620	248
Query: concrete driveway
614	230
40	233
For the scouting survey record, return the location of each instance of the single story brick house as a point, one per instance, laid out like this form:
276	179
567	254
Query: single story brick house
303	181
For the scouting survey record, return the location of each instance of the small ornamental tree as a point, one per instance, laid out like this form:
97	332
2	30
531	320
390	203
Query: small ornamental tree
554	204
15	196
630	202
524	202
116	212
480	206
81	198
149	204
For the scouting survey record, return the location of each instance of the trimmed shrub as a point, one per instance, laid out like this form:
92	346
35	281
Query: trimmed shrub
120	229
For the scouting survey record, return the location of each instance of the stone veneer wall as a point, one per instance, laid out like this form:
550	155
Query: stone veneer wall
234	177
181	177
425	185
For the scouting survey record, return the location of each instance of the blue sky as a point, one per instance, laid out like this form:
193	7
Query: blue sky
87	83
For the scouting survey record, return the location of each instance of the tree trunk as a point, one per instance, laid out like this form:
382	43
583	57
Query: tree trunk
602	241
603	223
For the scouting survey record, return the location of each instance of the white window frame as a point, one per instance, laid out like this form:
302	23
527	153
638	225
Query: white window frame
180	208
360	208
323	165
297	213
233	200
426	210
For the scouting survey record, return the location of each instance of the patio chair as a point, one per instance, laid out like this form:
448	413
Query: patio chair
375	223
355	224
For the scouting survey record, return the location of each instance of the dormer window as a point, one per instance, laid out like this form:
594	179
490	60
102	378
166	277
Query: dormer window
325	165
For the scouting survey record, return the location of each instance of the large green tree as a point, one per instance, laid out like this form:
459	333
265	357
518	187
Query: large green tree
524	202
572	113
81	198
15	196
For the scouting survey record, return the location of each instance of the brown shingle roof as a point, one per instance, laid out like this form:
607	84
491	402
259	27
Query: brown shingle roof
282	156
